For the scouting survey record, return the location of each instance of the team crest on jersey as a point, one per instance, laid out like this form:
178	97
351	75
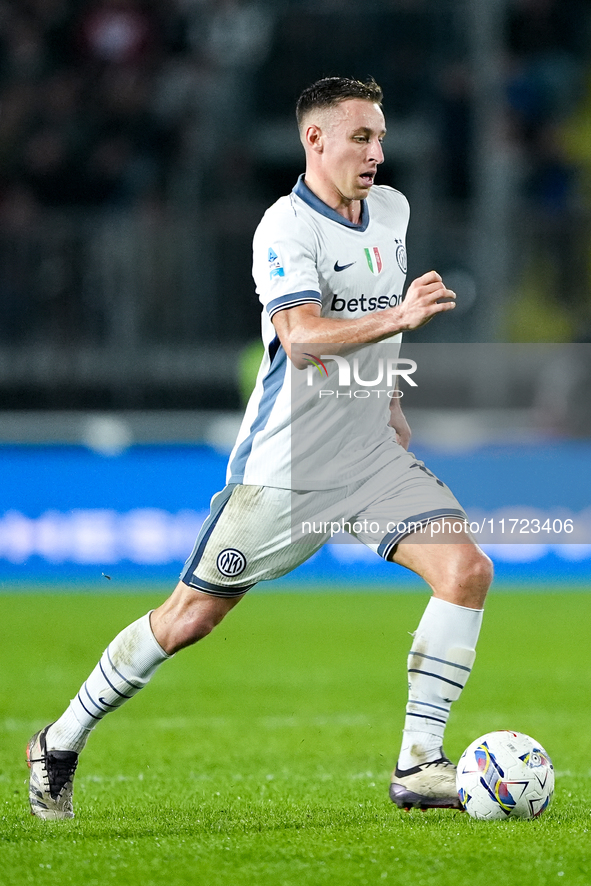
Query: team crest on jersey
231	562
401	257
275	266
374	259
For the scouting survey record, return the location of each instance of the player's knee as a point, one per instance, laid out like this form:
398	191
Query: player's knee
475	576
481	569
186	617
198	622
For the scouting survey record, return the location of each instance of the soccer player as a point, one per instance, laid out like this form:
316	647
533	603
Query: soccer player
329	266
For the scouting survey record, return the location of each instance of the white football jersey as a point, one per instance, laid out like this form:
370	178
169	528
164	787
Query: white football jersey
305	252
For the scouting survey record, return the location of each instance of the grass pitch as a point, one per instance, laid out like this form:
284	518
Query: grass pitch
261	757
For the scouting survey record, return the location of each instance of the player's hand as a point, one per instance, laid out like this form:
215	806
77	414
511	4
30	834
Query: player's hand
425	297
399	423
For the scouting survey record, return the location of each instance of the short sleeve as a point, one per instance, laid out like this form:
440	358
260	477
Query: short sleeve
284	261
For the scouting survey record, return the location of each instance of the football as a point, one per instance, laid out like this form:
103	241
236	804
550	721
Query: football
505	775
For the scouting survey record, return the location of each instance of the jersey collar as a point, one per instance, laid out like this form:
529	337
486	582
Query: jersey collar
302	190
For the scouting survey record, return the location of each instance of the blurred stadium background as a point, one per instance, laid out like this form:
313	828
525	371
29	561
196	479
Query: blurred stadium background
140	142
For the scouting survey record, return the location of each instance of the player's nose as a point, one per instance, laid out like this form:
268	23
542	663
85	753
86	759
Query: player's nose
377	152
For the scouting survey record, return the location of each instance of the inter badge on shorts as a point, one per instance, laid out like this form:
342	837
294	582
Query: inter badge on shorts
231	562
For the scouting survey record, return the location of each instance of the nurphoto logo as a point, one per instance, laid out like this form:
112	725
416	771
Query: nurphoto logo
387	371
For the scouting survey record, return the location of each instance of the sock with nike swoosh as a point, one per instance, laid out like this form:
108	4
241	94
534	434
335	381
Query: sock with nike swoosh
127	664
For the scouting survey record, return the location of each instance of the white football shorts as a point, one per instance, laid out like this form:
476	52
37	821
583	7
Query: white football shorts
258	533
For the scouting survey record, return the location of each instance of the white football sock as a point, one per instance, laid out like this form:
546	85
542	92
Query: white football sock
439	664
126	665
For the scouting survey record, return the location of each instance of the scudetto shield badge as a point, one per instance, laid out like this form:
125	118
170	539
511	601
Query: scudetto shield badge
374	259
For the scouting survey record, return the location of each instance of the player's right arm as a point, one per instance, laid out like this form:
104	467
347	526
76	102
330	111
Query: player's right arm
303	324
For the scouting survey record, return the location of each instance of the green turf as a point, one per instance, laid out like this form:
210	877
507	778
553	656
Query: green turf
262	756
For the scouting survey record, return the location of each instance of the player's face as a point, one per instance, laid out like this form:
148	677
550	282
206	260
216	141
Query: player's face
352	148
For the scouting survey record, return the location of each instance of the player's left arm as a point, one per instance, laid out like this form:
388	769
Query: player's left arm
399	423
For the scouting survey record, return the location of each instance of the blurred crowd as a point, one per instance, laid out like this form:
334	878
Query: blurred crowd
143	106
102	100
113	101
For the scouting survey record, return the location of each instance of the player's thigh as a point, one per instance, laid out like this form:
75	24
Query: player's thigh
412	518
402	498
248	537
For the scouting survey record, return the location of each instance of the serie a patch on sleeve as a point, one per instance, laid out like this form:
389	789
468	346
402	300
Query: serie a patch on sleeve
275	265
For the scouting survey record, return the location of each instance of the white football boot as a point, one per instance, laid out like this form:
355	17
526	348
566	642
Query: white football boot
51	779
428	786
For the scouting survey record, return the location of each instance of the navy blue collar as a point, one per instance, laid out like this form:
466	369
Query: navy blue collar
302	190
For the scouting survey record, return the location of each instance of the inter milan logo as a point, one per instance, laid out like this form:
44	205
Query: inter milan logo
401	257
231	562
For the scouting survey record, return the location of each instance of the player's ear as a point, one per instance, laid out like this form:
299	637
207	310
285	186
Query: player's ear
313	138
